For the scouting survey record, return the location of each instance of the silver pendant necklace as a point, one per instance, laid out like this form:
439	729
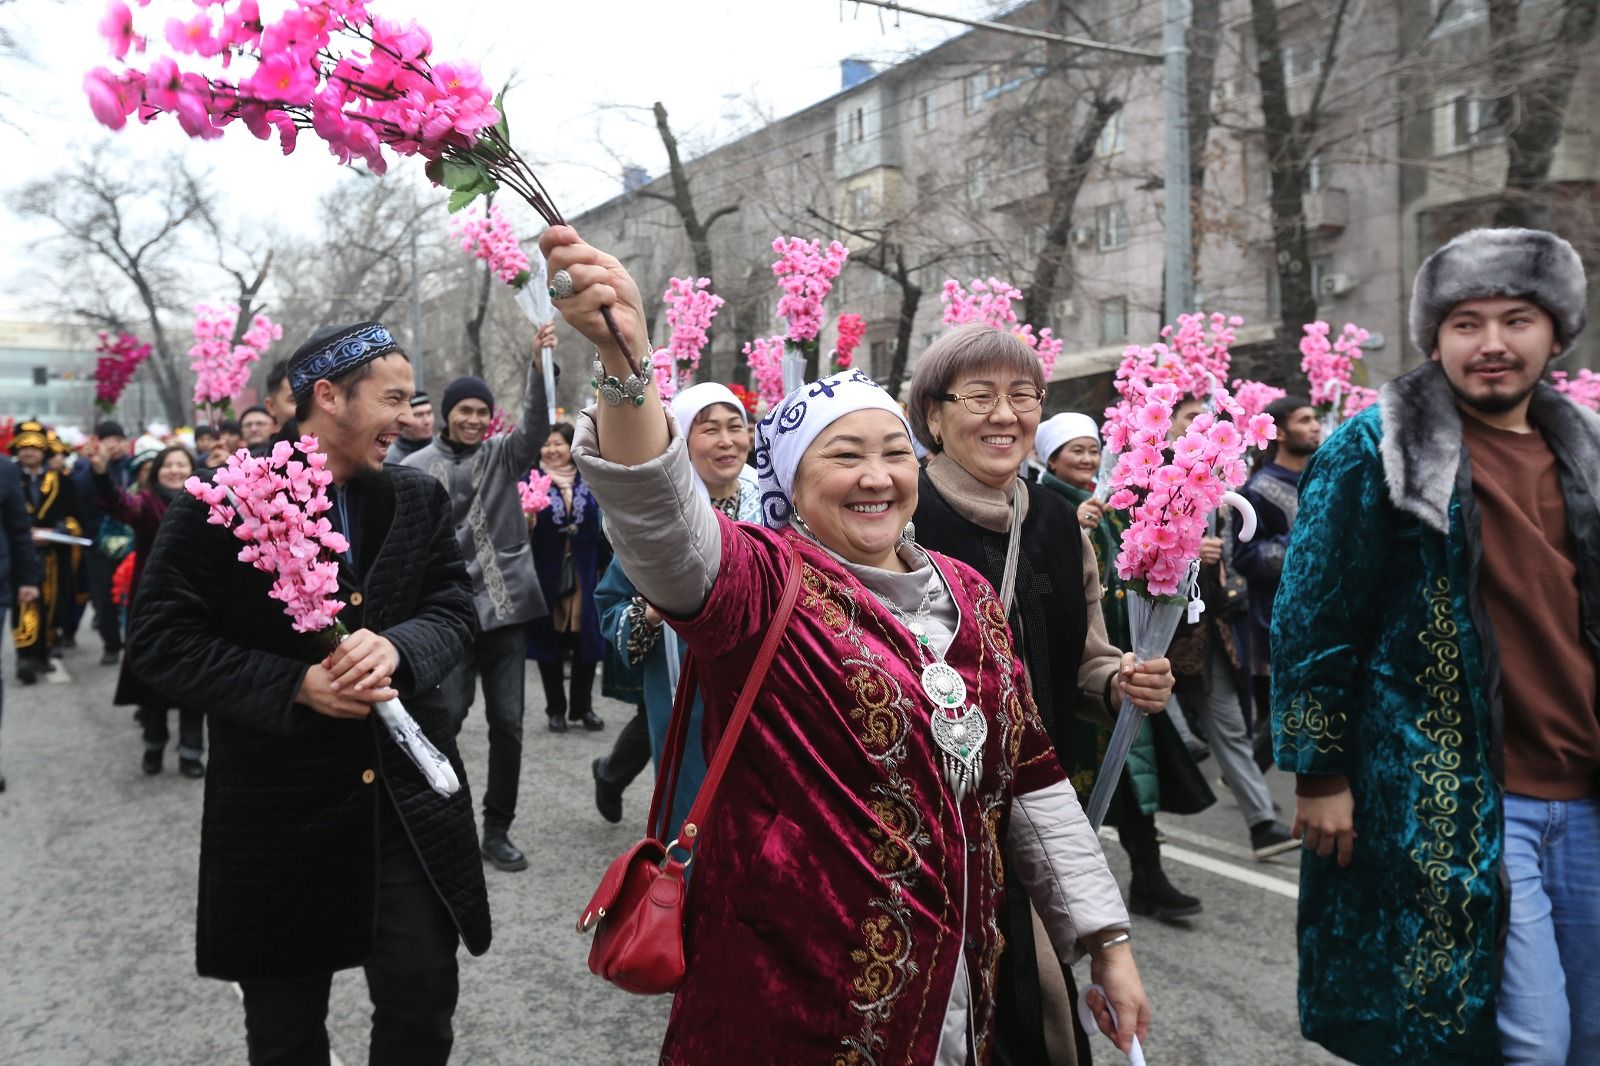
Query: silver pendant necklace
958	734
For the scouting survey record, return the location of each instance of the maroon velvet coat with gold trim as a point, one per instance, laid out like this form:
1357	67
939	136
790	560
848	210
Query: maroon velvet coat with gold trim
837	882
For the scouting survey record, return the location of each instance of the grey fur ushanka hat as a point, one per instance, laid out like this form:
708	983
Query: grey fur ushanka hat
1527	263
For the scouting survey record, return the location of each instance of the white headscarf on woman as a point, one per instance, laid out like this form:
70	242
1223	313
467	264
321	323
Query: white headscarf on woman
686	407
784	435
1059	429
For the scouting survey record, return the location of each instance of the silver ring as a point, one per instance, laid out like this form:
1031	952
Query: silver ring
560	285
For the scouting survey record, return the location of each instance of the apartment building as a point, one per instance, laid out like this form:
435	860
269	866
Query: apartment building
939	167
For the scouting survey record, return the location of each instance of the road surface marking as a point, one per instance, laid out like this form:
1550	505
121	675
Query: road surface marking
1200	840
1217	866
333	1056
59	675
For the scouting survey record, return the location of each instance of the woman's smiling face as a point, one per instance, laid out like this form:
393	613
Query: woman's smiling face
856	487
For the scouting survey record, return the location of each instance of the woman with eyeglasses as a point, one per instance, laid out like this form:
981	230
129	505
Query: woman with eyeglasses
975	403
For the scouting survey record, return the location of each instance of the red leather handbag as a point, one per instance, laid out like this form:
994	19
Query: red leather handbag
637	913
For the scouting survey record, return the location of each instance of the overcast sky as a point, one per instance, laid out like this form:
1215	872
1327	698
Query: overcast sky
587	73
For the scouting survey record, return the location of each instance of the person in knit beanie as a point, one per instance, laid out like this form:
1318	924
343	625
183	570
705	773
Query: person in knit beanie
1434	651
481	474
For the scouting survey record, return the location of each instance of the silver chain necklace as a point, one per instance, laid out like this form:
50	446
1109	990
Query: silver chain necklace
959	735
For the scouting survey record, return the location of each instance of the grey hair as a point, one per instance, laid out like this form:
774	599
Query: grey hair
965	350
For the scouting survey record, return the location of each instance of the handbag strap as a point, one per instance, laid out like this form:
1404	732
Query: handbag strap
683	706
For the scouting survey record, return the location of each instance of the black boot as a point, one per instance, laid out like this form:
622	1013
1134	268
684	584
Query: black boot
607	796
500	851
555	697
582	705
1152	894
151	763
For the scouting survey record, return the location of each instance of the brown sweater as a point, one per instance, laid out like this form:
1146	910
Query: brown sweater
1530	589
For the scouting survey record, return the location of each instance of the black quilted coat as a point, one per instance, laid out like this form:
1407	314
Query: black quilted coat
289	840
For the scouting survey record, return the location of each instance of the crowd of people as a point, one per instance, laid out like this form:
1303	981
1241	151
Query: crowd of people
1411	631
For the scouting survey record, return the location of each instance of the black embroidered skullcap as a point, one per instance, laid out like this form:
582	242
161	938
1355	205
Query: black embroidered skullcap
333	352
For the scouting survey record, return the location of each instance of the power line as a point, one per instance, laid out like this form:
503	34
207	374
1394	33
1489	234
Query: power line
1021	31
976	65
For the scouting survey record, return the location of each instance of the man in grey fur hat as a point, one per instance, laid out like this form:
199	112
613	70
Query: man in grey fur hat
1435	641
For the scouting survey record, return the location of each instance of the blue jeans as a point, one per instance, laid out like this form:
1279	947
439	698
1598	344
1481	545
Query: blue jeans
1550	989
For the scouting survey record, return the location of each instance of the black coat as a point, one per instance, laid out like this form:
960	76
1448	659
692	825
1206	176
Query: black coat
289	840
19	562
1049	624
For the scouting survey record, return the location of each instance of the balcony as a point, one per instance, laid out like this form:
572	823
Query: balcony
1327	212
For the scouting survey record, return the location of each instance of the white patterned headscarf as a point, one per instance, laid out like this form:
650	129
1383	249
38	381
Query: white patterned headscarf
784	435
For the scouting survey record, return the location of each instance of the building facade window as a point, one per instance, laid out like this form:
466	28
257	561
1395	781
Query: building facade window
1473	121
1301	59
1037	237
1113	138
1449	14
1111	227
856	130
1316	176
977	177
981	85
1321	267
860	203
927	113
1114	320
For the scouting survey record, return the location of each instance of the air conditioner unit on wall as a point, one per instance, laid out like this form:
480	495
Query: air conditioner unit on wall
1336	284
1065	309
1082	235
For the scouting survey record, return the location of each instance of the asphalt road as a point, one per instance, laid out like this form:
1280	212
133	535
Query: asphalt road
97	895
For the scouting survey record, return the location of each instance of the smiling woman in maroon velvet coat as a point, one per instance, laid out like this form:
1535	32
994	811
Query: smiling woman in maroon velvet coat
847	888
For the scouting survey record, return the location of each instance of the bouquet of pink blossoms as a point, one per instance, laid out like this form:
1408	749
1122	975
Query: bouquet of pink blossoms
117	359
989	303
490	238
764	356
1583	389
1254	396
690	308
1327	366
805	271
222	368
277	506
1169	488
535	493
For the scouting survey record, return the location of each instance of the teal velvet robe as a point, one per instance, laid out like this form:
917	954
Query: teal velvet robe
1379	674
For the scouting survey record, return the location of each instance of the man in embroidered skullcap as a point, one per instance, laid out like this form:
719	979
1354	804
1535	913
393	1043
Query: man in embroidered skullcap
53	507
1435	639
322	846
